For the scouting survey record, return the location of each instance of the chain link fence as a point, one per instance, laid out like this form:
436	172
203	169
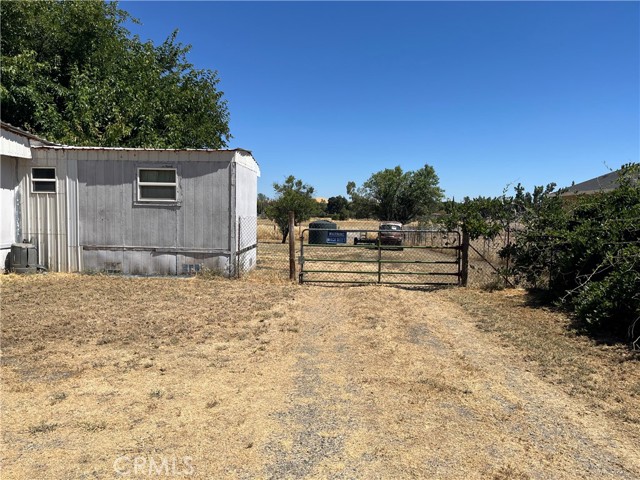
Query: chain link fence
246	248
486	267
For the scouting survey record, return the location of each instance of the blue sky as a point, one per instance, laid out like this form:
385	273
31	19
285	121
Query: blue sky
489	94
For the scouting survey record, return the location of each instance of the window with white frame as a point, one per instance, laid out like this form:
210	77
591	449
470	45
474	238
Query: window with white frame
157	185
43	180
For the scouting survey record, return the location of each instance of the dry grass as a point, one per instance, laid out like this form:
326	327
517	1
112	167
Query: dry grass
97	367
605	376
259	378
420	394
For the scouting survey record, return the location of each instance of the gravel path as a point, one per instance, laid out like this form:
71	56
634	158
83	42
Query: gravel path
393	383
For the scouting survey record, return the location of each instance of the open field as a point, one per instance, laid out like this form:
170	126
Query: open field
257	378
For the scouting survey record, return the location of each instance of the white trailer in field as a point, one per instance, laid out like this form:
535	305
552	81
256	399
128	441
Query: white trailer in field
128	210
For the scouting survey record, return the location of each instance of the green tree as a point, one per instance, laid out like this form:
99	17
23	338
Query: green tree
402	196
359	206
262	204
338	207
480	216
73	73
321	208
291	196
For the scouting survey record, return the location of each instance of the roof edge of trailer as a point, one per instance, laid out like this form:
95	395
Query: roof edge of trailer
24	133
46	144
141	149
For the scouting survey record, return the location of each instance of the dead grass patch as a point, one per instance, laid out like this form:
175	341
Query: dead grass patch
259	378
97	367
606	376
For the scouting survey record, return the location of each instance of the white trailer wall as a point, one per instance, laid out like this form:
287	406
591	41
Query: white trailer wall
247	173
8	185
13	148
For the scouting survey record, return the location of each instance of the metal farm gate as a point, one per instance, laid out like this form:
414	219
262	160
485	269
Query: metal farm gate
406	257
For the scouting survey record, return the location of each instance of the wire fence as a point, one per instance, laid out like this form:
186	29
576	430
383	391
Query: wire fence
246	248
485	268
486	265
386	256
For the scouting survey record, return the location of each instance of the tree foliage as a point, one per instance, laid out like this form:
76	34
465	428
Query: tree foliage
338	207
479	217
393	194
359	206
291	196
72	73
585	251
588	253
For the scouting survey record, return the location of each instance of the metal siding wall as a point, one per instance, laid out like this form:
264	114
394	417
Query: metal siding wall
151	225
8	186
74	254
204	214
88	199
246	203
246	192
44	216
14	145
110	217
218	262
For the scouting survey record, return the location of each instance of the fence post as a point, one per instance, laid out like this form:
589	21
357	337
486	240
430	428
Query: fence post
379	259
292	247
464	274
506	275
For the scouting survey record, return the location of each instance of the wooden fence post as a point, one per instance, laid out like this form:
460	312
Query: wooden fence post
292	247
464	274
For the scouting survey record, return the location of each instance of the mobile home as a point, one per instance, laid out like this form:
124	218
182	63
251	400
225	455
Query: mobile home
129	210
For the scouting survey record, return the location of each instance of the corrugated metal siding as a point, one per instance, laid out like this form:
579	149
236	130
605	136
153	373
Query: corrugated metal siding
110	215
48	218
246	204
204	219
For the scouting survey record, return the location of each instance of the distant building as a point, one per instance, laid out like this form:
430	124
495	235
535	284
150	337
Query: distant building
603	183
129	210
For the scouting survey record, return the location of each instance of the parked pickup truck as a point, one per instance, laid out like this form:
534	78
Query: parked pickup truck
390	234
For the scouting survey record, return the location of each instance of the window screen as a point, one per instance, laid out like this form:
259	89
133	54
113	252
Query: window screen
157	185
43	180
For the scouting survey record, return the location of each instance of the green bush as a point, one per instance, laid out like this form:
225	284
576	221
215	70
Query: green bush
585	252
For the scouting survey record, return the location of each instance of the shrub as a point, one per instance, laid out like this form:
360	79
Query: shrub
586	253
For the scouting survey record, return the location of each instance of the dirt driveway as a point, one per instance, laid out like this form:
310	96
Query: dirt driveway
311	382
413	390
